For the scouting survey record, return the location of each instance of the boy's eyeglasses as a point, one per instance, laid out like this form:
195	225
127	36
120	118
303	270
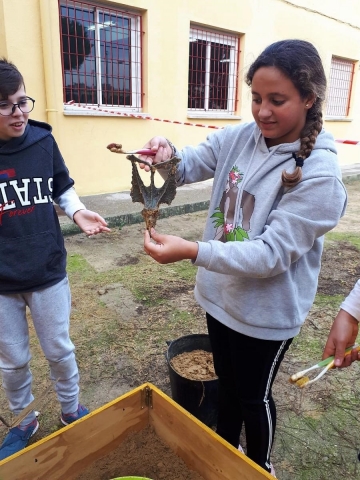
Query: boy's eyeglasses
26	105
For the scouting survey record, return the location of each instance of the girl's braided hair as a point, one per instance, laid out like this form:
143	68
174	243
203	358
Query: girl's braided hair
10	79
301	63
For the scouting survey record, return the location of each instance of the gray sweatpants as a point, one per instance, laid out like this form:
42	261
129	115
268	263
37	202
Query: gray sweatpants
50	311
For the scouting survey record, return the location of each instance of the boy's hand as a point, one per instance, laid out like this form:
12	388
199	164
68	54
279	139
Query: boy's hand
342	335
168	248
90	222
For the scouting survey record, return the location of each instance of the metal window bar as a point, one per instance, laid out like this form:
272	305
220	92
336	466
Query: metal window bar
340	86
101	53
213	71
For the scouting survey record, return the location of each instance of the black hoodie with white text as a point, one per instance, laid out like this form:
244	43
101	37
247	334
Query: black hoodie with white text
32	173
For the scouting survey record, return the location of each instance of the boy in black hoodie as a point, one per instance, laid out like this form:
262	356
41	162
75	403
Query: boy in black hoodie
33	258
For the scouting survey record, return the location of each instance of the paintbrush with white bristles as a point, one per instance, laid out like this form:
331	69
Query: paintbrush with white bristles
301	379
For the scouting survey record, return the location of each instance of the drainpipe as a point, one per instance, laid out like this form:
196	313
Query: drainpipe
48	21
3	44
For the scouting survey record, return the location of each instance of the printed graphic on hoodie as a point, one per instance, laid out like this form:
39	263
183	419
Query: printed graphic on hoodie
22	189
224	221
9	173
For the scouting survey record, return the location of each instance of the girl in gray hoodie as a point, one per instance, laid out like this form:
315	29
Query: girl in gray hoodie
277	190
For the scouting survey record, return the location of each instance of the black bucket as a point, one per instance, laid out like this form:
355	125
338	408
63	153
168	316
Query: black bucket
197	397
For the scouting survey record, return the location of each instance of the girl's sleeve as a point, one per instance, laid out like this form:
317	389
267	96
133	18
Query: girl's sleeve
199	163
351	304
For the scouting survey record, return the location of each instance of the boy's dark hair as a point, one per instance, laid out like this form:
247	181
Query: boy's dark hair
10	79
301	63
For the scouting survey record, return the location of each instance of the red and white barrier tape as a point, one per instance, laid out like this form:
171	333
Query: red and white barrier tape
141	117
146	117
349	142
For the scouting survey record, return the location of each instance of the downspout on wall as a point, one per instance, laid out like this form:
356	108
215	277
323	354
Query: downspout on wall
48	20
3	45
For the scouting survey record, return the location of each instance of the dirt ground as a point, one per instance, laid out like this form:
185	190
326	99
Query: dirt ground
126	309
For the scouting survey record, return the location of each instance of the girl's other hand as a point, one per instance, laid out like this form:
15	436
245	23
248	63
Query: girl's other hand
169	248
342	335
160	146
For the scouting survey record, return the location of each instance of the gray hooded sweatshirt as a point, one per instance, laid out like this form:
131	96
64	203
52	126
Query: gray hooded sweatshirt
260	256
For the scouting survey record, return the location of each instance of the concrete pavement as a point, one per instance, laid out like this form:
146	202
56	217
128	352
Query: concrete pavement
119	210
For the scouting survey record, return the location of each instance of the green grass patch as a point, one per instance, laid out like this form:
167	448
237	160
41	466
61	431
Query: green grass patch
185	270
307	348
304	439
343	237
328	301
77	264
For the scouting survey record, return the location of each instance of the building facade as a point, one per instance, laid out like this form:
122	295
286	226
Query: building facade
105	71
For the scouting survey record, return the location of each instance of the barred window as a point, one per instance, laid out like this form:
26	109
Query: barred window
213	71
340	85
101	55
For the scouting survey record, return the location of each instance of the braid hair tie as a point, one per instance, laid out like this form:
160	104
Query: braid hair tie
298	160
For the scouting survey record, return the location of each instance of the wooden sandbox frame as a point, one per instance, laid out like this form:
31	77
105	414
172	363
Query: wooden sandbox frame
67	453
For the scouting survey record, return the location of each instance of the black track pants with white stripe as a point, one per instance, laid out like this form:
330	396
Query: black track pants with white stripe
246	368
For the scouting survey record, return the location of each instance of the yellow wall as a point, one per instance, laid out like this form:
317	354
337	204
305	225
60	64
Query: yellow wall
34	46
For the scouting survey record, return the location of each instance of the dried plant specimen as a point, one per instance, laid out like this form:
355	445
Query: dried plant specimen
150	196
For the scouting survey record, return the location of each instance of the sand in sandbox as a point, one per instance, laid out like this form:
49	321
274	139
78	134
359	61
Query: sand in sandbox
141	454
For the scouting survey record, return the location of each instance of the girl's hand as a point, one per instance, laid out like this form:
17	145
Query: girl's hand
162	149
90	222
168	248
342	335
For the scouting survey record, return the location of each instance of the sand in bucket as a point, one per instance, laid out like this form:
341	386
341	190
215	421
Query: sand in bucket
199	397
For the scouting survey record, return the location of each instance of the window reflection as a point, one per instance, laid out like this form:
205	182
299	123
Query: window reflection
101	56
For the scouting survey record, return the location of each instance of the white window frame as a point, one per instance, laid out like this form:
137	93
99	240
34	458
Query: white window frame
208	35
136	64
340	87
